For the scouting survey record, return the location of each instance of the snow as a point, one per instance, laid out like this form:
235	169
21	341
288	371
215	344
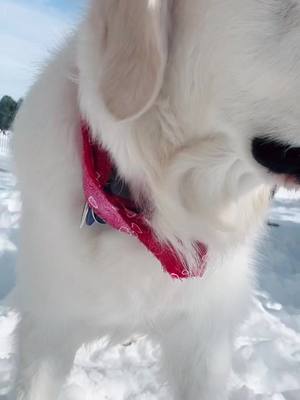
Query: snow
266	361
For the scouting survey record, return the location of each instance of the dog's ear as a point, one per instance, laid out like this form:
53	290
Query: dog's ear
135	53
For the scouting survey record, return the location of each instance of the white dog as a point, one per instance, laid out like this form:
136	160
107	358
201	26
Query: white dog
197	105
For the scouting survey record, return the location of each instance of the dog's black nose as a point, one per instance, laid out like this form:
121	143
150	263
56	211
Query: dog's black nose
277	157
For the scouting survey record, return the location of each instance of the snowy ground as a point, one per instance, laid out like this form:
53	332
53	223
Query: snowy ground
266	363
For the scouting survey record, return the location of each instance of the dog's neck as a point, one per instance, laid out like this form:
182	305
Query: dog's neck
191	196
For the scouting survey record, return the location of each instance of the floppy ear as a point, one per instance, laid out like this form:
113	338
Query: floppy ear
135	52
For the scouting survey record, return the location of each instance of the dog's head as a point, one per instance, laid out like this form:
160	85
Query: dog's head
221	77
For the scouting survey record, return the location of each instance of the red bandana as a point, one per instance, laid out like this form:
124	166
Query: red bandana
120	213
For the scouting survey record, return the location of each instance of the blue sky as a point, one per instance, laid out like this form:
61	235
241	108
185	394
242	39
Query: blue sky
29	29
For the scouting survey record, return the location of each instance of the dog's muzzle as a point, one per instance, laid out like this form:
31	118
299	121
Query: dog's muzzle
278	158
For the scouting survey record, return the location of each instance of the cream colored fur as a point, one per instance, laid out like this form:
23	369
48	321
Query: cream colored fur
175	90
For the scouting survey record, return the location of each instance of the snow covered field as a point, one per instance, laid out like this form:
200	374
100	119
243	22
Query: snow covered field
266	364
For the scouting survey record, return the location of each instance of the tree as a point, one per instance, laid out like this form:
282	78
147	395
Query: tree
8	110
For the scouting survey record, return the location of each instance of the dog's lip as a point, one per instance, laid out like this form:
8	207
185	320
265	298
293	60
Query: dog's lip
288	181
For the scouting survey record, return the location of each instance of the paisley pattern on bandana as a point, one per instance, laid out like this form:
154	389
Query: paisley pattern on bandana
120	213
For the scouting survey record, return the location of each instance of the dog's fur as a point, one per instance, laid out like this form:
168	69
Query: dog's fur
175	90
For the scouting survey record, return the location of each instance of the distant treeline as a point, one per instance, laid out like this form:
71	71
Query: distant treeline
8	111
